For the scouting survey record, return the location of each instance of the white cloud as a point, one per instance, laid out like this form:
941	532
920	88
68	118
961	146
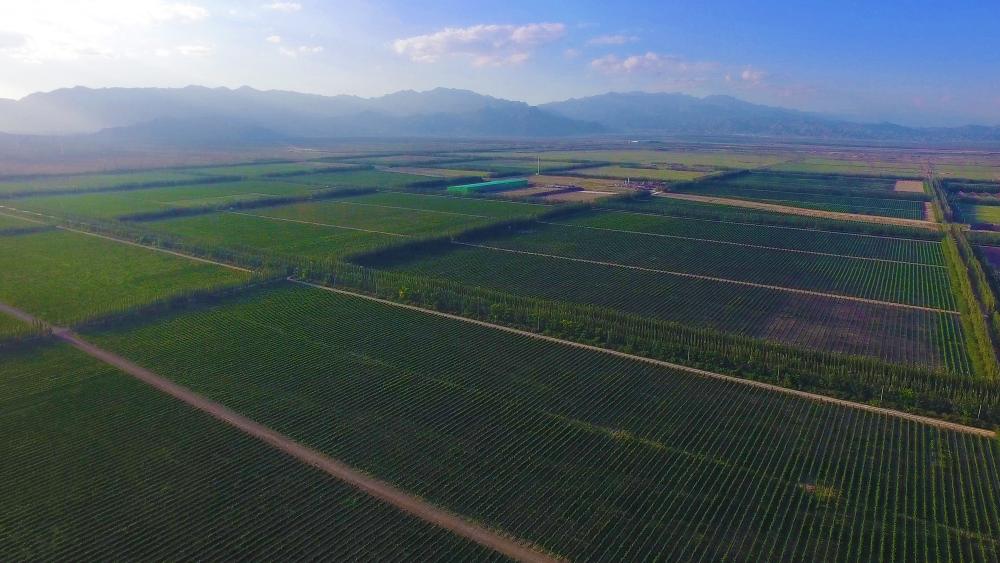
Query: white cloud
611	40
163	52
754	77
196	50
650	63
283	6
486	44
571	53
70	29
273	39
294	53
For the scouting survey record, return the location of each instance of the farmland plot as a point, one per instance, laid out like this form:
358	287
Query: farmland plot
95	181
65	277
902	209
591	456
805	240
894	334
639	173
358	179
898	282
779	181
100	467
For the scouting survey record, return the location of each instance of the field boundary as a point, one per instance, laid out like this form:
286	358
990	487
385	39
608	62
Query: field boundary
710	278
790	210
379	489
743	244
712	375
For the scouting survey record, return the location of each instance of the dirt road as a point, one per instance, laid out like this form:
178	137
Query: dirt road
810	396
378	489
806	212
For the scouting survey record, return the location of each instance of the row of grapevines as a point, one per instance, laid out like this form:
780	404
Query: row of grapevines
592	456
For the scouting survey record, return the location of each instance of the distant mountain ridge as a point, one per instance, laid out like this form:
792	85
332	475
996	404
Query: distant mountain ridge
198	113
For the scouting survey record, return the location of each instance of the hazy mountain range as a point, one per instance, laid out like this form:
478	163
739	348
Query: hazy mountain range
197	113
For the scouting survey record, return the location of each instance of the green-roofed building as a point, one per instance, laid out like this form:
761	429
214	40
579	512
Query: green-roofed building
496	186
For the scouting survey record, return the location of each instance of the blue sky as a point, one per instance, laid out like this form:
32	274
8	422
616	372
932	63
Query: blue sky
917	62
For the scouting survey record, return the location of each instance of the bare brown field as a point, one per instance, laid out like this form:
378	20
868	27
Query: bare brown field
910	186
806	212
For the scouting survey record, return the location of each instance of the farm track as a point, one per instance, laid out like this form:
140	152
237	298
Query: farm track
743	244
319	224
806	212
710	278
775	388
374	487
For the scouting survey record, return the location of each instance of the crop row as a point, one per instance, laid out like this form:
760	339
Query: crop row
99	467
592	456
897	282
826	242
771	180
886	332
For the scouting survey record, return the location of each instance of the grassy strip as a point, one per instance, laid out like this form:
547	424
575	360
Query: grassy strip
128	186
977	333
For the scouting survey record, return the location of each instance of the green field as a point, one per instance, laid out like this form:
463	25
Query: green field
95	181
64	277
358	179
897	282
662	158
9	223
117	204
591	456
858	166
13	328
817	183
334	229
805	240
639	173
899	208
971	213
260	170
100	467
969	171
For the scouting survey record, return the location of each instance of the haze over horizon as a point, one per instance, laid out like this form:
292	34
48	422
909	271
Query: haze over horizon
917	64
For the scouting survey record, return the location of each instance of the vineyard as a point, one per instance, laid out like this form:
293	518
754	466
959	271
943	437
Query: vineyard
791	238
417	376
816	322
591	456
99	467
906	283
65	277
902	209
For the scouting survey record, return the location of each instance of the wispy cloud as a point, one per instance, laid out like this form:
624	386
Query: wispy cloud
485	44
303	50
611	40
274	39
44	30
283	6
650	63
196	50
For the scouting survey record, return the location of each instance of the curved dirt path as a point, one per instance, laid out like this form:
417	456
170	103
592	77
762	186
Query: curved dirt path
806	212
748	382
374	487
